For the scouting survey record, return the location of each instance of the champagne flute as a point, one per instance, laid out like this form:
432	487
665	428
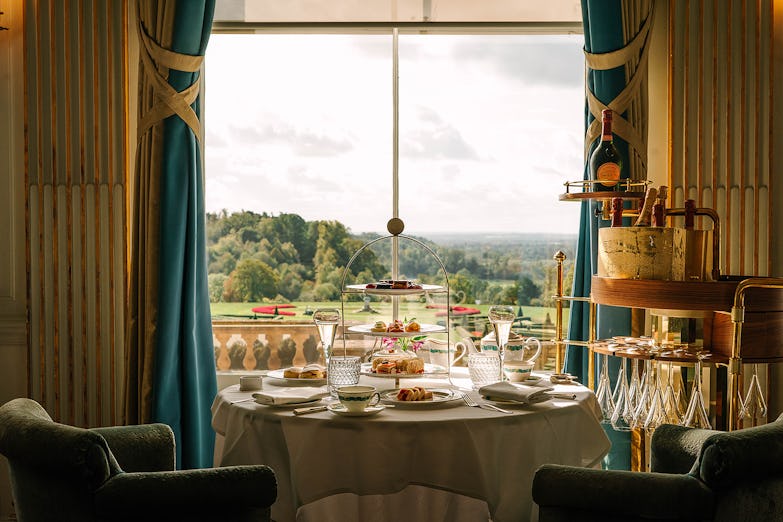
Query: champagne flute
696	415
604	391
501	317
623	411
327	319
754	405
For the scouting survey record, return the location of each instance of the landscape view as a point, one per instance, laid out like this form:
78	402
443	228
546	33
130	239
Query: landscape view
261	259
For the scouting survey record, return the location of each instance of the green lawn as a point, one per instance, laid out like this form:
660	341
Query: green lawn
353	313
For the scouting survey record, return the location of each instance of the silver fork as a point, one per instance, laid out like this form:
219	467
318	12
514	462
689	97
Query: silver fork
470	401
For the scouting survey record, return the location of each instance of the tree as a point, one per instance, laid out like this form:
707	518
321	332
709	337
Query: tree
253	280
527	290
217	286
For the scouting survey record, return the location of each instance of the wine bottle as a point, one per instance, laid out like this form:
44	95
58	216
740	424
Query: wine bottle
658	219
659	208
644	213
617	212
690	213
605	161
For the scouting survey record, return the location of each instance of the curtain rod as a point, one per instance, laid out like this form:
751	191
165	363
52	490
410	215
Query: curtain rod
403	27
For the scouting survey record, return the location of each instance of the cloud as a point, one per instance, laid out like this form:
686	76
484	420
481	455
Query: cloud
534	62
302	142
435	139
215	140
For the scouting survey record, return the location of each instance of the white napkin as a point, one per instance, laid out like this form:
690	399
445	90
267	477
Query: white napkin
290	395
515	392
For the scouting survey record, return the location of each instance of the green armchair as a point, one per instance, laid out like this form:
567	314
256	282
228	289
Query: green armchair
123	473
696	475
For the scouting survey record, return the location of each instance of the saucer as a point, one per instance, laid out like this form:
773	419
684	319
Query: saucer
339	409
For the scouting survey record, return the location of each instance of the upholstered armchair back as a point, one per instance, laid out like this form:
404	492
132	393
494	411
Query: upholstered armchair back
745	470
52	464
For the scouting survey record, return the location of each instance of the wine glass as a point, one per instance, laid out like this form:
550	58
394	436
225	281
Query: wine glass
645	395
623	412
696	415
603	392
327	319
656	413
674	412
501	317
754	405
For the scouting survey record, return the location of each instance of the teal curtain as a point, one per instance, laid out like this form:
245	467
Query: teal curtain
603	29
184	379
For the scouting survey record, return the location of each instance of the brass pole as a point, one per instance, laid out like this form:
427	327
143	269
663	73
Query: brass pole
590	344
559	347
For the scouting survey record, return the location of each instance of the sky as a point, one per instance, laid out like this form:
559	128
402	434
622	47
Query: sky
490	127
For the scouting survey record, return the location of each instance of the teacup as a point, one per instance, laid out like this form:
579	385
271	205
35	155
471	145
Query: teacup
358	397
517	371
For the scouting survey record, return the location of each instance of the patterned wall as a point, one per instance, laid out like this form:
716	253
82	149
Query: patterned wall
721	122
76	112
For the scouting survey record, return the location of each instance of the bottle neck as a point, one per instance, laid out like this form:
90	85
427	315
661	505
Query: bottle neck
606	128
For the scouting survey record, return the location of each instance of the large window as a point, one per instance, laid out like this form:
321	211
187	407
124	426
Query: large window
301	157
490	126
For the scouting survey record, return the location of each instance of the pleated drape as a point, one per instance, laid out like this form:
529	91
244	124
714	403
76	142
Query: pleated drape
171	371
616	43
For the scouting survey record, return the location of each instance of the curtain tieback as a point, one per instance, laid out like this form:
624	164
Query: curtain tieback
637	48
157	61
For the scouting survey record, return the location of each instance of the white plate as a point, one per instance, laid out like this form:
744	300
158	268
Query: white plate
440	397
311	402
278	379
366	329
339	409
392	291
429	369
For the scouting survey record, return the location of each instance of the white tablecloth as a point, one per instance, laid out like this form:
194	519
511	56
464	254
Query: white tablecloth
450	463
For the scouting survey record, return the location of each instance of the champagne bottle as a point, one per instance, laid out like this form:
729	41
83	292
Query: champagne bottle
644	213
605	161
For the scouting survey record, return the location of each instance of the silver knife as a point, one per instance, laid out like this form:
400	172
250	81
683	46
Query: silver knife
311	409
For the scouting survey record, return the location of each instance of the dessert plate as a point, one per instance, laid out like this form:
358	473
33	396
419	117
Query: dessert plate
424	329
339	409
440	398
278	378
395	291
429	369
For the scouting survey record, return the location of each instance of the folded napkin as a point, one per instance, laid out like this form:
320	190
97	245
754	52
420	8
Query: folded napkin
515	392
290	395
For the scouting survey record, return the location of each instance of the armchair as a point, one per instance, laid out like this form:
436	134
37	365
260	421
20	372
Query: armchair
696	475
123	473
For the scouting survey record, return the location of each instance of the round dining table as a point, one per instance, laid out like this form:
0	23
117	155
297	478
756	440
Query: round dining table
423	462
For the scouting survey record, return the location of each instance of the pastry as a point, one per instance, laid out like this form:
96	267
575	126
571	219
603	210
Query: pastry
395	326
397	365
385	366
379	326
417	393
412	326
313	371
293	372
413	365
